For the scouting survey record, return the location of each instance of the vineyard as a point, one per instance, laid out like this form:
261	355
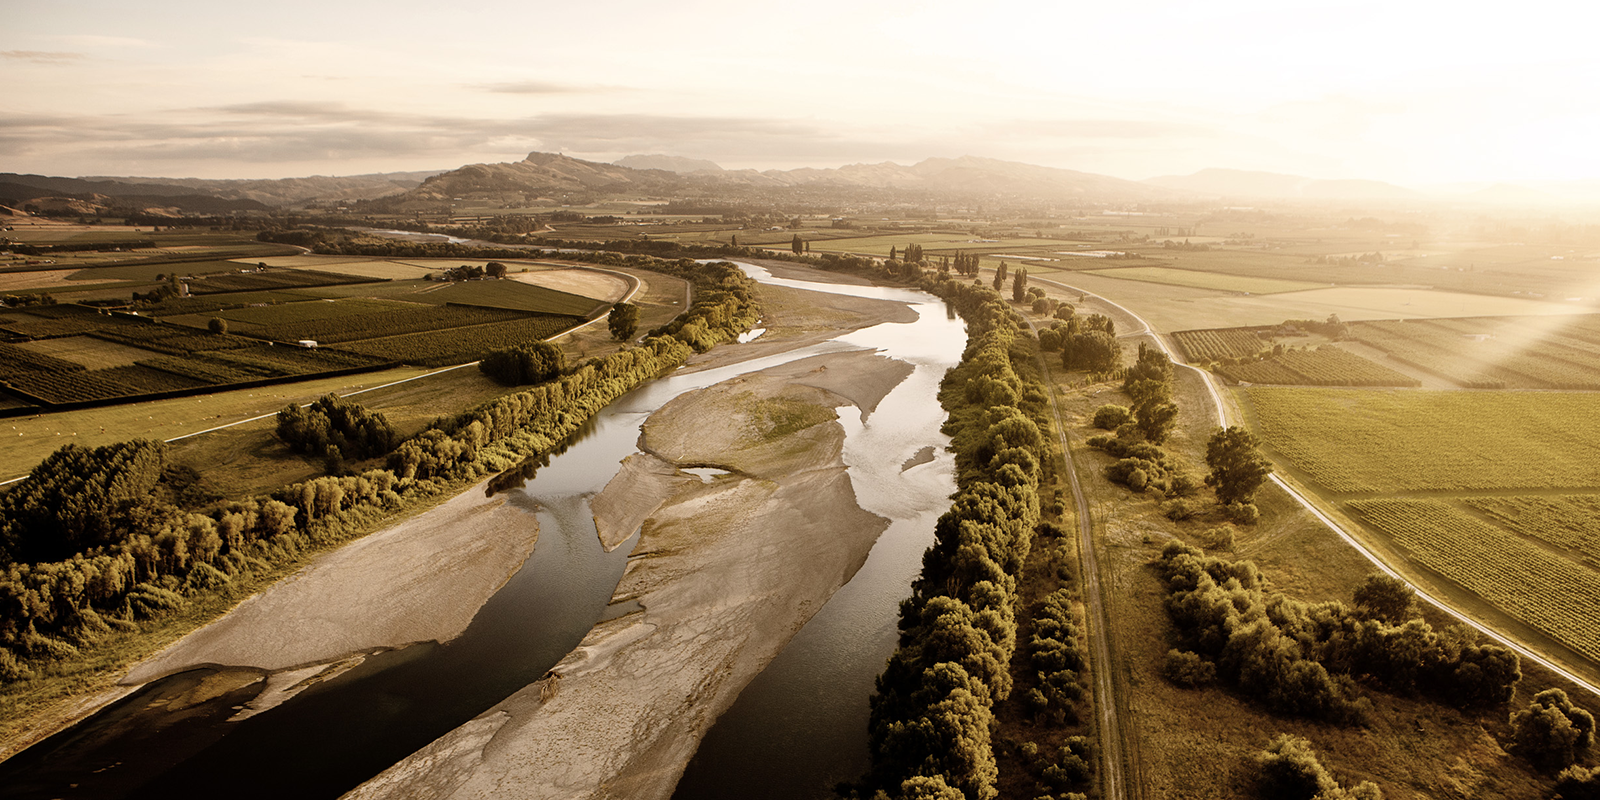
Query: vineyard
1388	441
277	279
1544	590
402	318
1324	366
1570	522
1215	345
1494	353
458	345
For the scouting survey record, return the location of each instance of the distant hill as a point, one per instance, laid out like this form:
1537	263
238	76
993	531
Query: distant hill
92	196
1246	184
678	164
288	191
968	177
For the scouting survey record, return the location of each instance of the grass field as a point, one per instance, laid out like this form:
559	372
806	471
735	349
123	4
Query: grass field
85	350
1406	441
1207	280
29	439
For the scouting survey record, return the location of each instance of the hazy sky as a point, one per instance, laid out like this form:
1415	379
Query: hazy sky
1411	92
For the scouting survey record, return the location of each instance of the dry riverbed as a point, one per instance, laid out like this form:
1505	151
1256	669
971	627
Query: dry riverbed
727	569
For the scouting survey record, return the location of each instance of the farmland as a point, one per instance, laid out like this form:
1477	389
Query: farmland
1503	353
1207	280
1405	441
1548	591
1325	366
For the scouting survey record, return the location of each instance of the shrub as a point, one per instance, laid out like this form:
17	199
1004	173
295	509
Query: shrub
1242	513
1188	669
1110	416
1218	538
1551	731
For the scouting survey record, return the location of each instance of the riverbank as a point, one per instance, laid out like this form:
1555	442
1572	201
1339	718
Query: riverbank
725	572
383	591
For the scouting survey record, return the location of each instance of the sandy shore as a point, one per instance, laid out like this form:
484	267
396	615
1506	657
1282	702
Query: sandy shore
385	590
726	572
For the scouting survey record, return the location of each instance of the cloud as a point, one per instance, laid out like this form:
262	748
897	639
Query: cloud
537	87
1102	128
42	56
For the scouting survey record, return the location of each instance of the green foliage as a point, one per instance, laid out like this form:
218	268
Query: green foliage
1387	598
1237	467
1552	732
79	498
1110	416
1289	770
217	325
1188	669
1300	658
1574	783
524	364
1091	351
623	320
333	424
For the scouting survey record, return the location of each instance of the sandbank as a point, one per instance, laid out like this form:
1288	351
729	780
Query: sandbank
725	573
383	591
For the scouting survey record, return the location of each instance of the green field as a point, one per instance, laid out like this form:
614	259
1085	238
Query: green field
1402	441
1207	280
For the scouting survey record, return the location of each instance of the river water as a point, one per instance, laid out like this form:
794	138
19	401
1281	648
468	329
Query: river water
795	731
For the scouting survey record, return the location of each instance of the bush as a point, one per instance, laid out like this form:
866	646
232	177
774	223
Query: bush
1242	513
524	364
1289	770
1552	732
1577	783
1179	509
1387	598
1218	538
1110	416
1188	669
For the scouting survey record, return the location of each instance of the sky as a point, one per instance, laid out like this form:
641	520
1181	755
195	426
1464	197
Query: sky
1415	93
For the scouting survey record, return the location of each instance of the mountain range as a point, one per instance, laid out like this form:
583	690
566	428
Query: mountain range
556	177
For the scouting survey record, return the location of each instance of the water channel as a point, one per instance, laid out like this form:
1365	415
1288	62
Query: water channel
795	731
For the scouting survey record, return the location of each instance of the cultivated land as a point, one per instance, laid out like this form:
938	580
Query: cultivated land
1449	526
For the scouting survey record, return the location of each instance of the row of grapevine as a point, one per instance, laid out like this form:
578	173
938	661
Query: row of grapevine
99	384
410	318
1325	366
1364	441
459	345
1552	594
1570	522
256	281
1486	353
1215	345
16	360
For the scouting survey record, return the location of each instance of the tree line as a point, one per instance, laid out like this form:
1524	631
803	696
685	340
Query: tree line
97	540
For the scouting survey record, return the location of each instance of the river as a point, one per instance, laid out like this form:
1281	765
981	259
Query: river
795	731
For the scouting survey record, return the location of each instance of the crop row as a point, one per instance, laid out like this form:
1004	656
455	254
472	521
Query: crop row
461	345
16	360
1214	345
314	310
100	384
1485	353
257	281
1325	366
1544	590
1570	522
1364	441
281	360
411	318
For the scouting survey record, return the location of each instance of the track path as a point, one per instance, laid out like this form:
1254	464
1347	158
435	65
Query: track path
1113	755
1520	648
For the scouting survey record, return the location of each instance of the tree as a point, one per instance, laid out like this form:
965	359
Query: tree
1387	598
495	269
1155	420
1000	276
1551	731
1019	285
623	321
218	325
797	245
1237	467
1094	351
733	240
